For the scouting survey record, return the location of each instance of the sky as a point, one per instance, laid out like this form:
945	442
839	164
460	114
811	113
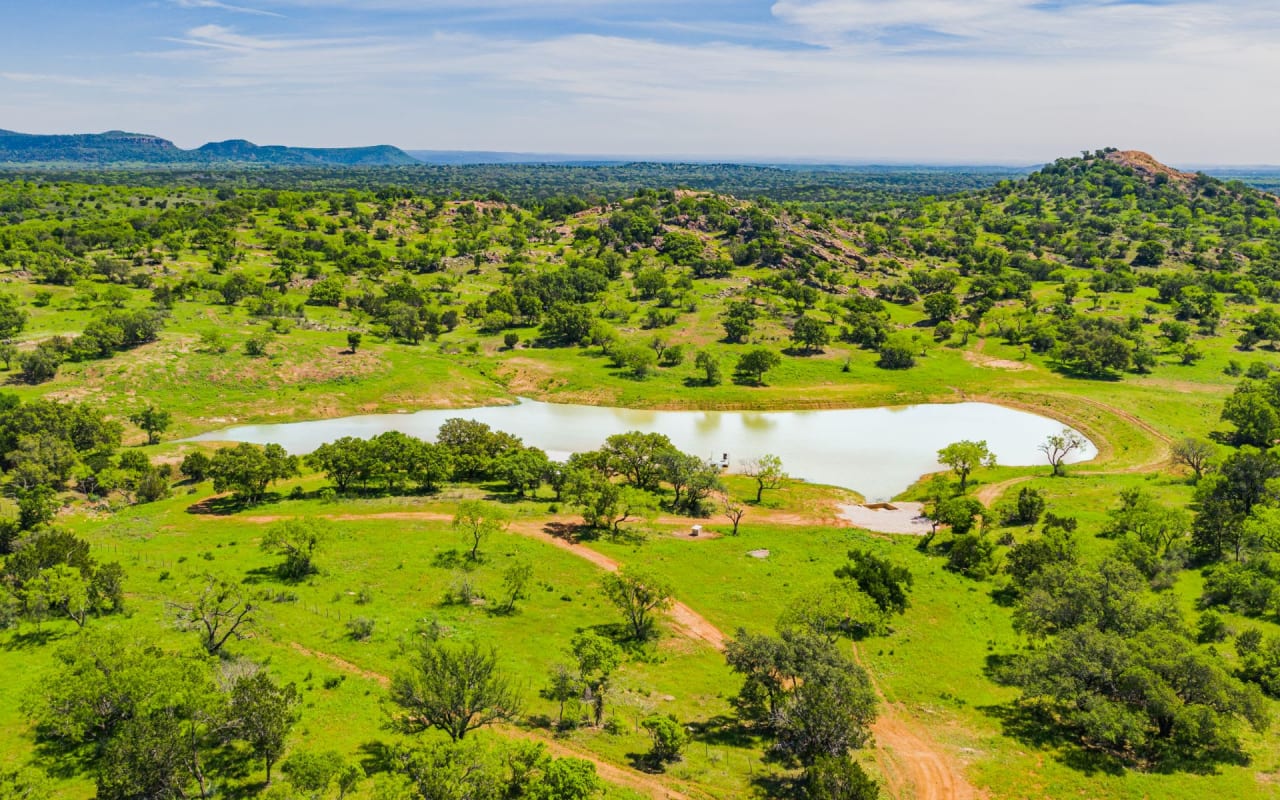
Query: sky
1193	82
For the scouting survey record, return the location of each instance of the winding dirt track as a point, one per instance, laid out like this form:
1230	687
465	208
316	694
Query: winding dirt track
612	773
914	767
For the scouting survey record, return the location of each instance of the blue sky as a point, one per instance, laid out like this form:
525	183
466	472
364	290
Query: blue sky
1009	81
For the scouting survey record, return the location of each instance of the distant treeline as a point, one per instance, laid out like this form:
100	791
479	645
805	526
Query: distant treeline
532	183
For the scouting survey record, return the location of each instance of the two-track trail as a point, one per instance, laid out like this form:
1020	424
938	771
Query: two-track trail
634	780
914	767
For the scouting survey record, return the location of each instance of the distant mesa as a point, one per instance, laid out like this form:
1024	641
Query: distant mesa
121	147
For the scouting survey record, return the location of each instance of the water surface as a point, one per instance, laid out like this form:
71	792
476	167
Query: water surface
878	452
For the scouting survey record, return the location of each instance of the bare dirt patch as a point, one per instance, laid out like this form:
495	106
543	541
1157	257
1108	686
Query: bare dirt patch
980	360
527	376
907	518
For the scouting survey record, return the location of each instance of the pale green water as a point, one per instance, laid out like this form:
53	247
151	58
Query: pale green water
875	451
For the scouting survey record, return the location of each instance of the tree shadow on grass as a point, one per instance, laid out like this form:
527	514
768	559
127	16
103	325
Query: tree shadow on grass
573	533
453	558
725	731
224	505
773	784
1033	728
62	763
376	756
29	639
643	762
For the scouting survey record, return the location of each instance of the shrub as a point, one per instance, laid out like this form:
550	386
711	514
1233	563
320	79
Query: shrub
360	628
669	738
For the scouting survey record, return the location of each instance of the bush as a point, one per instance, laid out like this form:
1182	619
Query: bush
895	355
360	628
1211	628
669	738
256	345
1029	508
972	555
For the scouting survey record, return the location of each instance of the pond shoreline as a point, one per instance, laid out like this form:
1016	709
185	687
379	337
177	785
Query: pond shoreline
877	452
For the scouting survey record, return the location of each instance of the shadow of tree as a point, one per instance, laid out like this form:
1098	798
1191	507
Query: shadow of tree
21	640
1034	728
223	505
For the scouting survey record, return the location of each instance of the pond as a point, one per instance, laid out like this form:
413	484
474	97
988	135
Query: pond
878	452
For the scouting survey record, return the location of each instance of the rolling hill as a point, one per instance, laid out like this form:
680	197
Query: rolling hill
120	147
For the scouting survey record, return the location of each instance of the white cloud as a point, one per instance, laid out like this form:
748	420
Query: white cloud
216	4
1009	80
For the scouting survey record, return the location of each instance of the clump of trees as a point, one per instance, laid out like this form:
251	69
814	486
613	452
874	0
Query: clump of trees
247	470
1123	673
151	723
52	573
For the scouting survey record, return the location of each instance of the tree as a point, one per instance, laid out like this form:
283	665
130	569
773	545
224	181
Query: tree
297	540
637	360
668	736
1195	454
941	306
217	613
638	595
514	580
1027	509
1059	446
353	341
753	364
767	472
13	319
597	658
564	686
896	354
1226	498
958	513
152	421
1056	545
733	510
455	689
879	578
638	457
1145	693
826	714
344	461
195	466
62	588
477	521
1251	408
248	470
522	469
810	333
1148	254
8	353
965	456
692	479
263	713
709	363
39	365
972	555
